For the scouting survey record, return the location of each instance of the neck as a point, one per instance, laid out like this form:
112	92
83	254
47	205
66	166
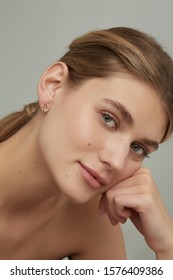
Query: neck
24	177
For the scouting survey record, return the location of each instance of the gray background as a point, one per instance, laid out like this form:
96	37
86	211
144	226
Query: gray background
33	34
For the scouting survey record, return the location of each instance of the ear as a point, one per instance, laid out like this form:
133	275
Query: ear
52	79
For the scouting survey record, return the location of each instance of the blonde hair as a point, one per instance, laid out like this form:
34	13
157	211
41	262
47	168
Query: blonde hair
103	53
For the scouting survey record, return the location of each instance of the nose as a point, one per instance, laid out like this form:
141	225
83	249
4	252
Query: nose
114	154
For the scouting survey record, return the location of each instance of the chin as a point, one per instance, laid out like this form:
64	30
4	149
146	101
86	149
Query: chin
74	189
79	200
79	197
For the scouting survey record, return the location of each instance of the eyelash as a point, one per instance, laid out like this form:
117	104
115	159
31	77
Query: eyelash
111	118
145	152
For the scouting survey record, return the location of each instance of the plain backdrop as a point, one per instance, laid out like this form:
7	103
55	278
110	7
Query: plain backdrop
33	34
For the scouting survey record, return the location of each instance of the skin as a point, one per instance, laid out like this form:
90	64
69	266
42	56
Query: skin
48	193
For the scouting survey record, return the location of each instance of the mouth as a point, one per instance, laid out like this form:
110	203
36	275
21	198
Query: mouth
92	177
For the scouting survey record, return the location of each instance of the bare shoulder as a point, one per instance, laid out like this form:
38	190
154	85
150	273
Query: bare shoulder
100	240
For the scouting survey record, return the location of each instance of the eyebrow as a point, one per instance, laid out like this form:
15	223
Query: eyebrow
127	117
153	144
125	114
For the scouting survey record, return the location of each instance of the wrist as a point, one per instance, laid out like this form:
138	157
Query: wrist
165	254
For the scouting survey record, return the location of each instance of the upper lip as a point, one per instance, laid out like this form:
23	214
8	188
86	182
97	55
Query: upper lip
95	174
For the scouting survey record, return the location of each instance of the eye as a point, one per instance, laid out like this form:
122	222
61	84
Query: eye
139	150
109	120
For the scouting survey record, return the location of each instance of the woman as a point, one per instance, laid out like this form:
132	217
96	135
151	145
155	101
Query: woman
77	153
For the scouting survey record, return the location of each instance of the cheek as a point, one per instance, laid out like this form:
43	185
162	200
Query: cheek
83	133
131	169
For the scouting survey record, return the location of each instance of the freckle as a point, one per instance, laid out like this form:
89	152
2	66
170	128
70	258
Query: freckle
89	144
66	175
19	171
77	174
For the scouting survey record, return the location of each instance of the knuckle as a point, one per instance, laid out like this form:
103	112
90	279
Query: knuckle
148	200
146	178
108	195
144	188
116	200
145	171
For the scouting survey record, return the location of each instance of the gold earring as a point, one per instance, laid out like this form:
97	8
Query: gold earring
44	107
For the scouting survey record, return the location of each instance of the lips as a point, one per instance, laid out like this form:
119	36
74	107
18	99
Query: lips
92	177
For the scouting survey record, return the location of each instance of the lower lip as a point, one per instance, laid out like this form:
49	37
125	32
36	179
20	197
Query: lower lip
93	182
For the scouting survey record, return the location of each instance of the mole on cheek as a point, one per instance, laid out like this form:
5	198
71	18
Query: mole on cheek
89	144
66	175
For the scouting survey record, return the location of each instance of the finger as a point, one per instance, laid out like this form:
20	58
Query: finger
133	189
126	212
142	170
102	205
140	177
103	208
137	202
116	204
136	220
121	212
112	214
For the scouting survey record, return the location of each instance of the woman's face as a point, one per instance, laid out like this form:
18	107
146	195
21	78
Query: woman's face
98	134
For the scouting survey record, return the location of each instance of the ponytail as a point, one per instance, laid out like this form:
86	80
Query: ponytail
15	121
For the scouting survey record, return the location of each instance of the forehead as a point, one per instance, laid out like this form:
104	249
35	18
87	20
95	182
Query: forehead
138	98
144	103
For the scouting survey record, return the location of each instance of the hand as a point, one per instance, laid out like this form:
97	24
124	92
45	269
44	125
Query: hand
137	198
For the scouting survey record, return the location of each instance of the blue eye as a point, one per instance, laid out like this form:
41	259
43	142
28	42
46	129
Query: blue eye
109	120
139	150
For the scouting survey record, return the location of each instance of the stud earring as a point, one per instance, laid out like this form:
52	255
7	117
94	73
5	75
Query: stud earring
44	107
